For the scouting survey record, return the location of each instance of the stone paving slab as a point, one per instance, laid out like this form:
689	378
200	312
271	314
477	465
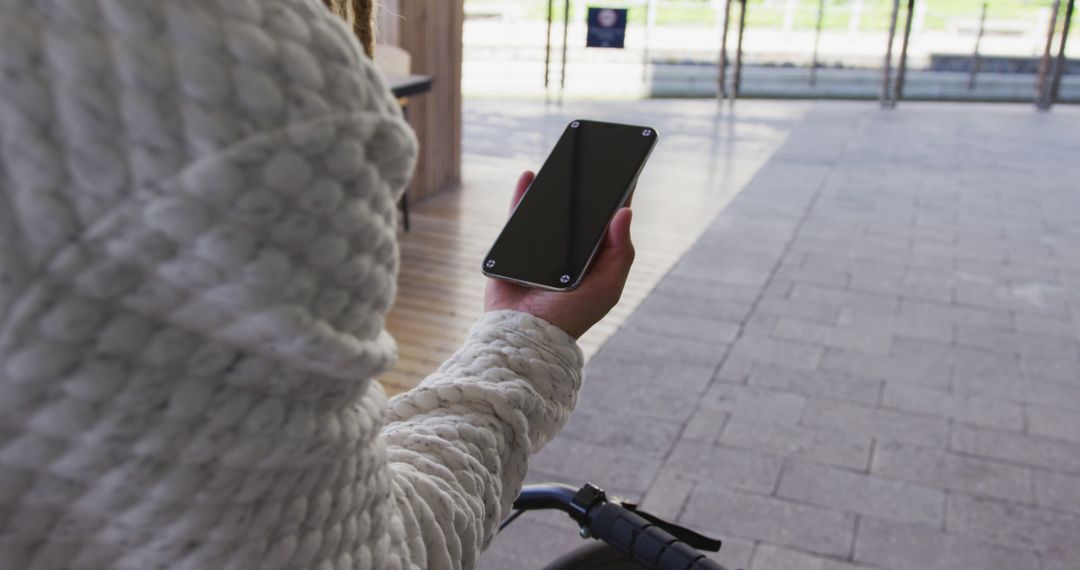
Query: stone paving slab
871	359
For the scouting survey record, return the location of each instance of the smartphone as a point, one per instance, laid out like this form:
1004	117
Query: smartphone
556	228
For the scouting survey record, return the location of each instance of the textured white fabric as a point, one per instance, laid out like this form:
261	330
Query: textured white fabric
197	248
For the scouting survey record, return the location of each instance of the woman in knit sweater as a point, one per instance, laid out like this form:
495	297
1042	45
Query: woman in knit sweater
197	249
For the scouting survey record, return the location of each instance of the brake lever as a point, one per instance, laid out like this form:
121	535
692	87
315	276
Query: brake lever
694	539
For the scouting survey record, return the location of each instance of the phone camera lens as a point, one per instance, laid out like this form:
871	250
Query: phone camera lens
646	133
489	263
574	125
564	279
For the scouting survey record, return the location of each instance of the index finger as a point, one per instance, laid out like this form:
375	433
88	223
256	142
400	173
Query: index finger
523	183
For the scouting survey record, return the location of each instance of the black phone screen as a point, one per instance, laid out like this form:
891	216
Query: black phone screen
552	234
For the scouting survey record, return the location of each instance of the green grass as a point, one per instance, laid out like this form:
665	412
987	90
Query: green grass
770	13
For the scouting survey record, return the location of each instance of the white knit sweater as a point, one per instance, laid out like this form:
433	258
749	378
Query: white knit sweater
197	248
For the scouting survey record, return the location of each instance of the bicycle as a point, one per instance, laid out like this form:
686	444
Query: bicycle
629	537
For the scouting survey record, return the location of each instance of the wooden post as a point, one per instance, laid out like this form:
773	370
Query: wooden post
975	54
650	23
1042	95
431	33
898	88
547	48
887	72
738	50
817	41
721	83
1059	66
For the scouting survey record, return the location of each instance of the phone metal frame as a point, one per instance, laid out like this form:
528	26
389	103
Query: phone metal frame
622	203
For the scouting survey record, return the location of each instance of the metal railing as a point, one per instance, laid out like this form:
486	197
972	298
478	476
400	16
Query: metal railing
1048	81
832	46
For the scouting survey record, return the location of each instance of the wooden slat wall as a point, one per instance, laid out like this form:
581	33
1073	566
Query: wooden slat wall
431	33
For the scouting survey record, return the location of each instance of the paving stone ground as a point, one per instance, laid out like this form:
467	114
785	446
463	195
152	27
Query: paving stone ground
871	359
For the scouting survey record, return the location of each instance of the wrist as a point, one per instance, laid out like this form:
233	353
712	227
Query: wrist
526	328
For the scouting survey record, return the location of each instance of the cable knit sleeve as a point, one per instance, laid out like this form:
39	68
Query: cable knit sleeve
197	251
459	443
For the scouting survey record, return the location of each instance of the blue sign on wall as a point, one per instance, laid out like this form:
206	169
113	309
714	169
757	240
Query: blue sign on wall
607	27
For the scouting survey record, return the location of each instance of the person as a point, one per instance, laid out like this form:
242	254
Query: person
197	251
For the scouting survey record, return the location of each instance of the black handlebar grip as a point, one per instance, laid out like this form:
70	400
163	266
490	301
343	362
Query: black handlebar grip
645	542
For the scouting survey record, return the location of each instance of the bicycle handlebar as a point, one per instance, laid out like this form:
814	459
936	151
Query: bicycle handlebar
646	538
644	541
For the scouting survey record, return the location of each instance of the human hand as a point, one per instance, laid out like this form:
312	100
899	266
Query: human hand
578	310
